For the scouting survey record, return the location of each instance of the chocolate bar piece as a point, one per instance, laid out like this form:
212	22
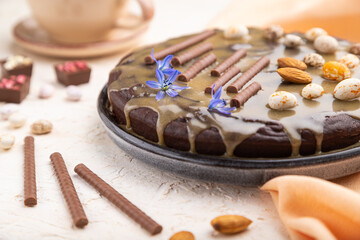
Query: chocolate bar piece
14	89
16	65
197	67
118	200
30	198
73	73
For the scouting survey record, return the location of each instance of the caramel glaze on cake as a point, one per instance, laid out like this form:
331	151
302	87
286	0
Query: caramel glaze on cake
254	130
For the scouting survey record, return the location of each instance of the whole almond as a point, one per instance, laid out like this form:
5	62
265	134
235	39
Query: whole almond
230	224
183	235
292	63
294	75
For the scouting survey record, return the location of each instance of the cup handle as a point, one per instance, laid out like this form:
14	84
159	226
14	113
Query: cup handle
147	8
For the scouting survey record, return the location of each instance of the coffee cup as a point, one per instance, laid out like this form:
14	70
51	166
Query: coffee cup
81	21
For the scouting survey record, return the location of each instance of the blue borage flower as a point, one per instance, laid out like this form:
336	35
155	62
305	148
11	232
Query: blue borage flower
164	65
166	86
219	104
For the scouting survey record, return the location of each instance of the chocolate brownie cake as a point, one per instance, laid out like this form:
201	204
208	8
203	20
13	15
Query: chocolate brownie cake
254	127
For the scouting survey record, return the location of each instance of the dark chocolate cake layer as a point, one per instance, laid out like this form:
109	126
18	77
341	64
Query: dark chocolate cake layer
254	130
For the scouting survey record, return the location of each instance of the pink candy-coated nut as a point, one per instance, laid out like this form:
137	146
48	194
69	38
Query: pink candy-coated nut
21	79
80	64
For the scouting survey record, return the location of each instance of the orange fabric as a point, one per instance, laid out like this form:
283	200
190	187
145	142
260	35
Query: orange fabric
311	208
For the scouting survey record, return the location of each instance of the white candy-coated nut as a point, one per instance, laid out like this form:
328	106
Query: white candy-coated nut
274	32
41	127
292	41
46	91
7	141
73	93
347	89
314	33
314	60
16	60
326	44
17	120
8	109
350	60
312	91
282	100
236	31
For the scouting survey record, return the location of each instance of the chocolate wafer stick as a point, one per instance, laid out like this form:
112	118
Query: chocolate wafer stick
234	58
30	198
191	54
68	190
242	97
180	46
118	200
248	75
197	67
221	81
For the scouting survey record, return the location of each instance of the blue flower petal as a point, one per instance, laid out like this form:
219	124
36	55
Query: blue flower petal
160	95
169	71
153	84
223	111
218	93
166	63
228	109
152	55
171	93
172	77
176	87
215	103
160	77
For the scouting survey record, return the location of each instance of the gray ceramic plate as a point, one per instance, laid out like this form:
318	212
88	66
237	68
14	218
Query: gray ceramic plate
240	171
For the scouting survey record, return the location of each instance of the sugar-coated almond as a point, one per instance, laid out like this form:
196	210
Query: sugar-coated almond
350	60
273	32
282	100
236	31
312	91
314	60
8	109
336	71
41	127
294	75
46	91
230	224
348	89
183	235
17	120
73	93
326	44
7	141
292	41
314	33
291	62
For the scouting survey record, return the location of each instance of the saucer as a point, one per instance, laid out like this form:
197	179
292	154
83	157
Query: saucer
29	35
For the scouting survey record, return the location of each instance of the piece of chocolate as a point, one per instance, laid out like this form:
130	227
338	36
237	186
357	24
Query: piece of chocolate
245	95
68	190
14	89
180	46
234	58
118	200
197	67
221	81
16	65
248	75
73	73
30	198
191	54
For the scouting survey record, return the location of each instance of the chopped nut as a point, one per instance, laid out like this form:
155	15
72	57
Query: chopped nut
41	127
